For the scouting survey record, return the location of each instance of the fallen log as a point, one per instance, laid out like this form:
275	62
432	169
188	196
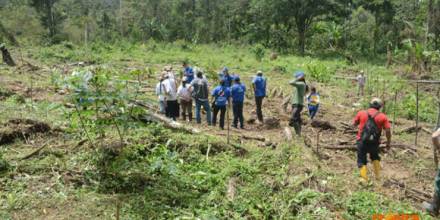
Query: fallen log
168	123
324	125
414	193
353	147
413	129
247	137
231	189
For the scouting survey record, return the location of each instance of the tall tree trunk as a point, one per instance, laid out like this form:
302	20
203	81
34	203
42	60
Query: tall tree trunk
301	40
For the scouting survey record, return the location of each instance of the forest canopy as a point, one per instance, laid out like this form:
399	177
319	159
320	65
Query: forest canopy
355	27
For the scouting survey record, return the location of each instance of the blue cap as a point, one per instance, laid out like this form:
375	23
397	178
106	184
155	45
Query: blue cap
299	74
237	78
225	69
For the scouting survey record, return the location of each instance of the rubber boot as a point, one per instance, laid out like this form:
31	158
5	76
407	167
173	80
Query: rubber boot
376	166
363	173
433	207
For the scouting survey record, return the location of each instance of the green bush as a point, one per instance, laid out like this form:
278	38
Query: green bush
319	71
259	51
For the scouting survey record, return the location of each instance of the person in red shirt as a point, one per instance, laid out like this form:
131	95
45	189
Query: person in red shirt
364	148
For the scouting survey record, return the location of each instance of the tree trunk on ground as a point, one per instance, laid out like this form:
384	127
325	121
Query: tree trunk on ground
7	56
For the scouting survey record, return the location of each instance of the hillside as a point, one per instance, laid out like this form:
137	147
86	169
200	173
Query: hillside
52	169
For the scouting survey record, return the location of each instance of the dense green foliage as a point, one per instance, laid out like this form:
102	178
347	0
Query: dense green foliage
360	27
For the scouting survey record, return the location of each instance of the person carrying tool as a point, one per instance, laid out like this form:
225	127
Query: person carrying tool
370	124
298	100
259	85
434	206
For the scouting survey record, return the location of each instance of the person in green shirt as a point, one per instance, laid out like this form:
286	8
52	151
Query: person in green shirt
298	100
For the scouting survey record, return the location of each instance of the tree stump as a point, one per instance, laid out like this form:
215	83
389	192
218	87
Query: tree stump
6	56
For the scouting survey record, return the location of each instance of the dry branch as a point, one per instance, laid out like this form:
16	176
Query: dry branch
411	192
35	152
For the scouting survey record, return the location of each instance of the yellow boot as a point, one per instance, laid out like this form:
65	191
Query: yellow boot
376	165
363	172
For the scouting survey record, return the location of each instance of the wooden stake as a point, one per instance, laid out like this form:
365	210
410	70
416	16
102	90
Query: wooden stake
227	118
417	112
317	141
394	110
118	208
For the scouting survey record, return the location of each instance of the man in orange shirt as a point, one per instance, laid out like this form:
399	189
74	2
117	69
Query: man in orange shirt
370	124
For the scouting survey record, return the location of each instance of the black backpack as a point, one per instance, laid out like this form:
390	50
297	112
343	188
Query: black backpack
371	133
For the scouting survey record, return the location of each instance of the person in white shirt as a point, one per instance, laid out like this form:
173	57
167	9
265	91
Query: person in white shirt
361	83
184	94
172	106
160	92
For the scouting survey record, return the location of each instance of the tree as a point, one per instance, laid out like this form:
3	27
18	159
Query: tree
433	22
299	14
50	18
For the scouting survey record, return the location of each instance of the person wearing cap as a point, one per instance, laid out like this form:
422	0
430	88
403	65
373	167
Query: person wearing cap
259	86
361	83
200	93
434	206
185	99
365	147
160	92
172	106
237	92
298	100
221	94
188	72
226	77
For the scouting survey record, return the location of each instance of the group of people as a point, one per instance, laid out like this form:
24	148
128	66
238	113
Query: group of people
178	100
194	86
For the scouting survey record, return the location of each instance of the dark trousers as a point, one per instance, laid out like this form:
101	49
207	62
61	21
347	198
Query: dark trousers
172	109
296	114
364	149
259	104
186	107
237	108
222	110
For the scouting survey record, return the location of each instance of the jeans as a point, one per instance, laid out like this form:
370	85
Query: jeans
205	105
313	109
363	150
237	108
259	104
186	107
222	110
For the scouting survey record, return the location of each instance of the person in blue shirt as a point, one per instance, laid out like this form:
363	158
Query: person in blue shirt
313	102
221	96
226	77
259	86
237	92
188	72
